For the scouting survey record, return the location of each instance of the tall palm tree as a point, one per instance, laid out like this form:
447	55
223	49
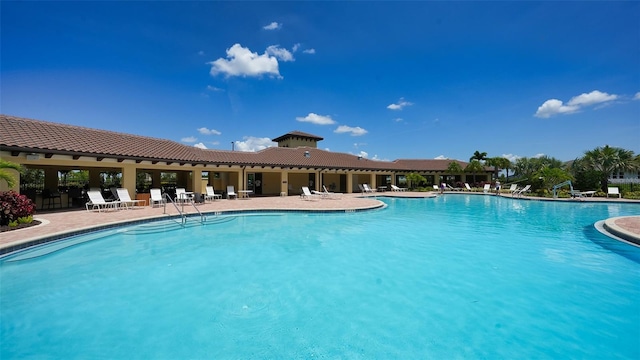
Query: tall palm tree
499	163
606	160
6	175
480	156
474	167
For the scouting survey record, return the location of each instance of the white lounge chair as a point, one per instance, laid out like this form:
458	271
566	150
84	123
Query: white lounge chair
96	201
486	188
514	187
452	188
395	188
467	187
125	198
182	196
231	192
211	194
614	191
435	187
330	195
367	189
521	191
307	195
156	197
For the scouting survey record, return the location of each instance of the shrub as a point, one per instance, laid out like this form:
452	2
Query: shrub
14	206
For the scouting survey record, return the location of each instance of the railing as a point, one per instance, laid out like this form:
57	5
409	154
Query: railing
183	216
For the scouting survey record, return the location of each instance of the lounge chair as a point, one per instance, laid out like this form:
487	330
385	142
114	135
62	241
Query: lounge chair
614	191
435	187
514	187
156	197
125	198
521	191
231	192
467	187
486	188
211	194
367	189
307	195
330	195
182	196
452	188
96	201
395	188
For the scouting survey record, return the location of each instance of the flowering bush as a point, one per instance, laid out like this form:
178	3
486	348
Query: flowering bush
14	206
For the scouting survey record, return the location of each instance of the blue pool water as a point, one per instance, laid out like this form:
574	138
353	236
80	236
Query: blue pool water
452	277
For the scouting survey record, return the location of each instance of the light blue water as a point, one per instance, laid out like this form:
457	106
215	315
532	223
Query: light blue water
453	277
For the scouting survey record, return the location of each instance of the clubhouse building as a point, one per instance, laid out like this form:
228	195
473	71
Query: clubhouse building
140	163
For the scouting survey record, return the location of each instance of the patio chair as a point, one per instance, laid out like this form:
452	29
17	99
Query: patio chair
211	194
367	189
231	192
96	201
452	188
125	199
435	187
467	187
361	188
330	195
614	191
513	188
486	188
307	195
395	188
156	197
521	191
182	196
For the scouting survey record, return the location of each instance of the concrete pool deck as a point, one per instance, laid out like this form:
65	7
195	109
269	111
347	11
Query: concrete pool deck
56	224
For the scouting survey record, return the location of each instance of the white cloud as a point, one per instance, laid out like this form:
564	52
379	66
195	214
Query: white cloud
363	154
252	144
295	47
309	51
280	53
538	155
273	26
441	157
555	107
637	96
213	88
399	105
398	119
511	157
189	139
200	145
316	119
242	62
355	131
205	131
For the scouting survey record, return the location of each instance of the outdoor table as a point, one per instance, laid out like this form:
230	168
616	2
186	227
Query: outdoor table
244	194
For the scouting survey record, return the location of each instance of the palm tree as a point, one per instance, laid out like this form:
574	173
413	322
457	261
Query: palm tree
606	160
6	175
480	156
474	167
499	163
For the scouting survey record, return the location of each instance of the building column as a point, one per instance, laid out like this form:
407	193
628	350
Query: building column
284	182
129	178
196	181
51	179
349	183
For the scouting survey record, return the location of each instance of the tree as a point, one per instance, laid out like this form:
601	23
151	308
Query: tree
480	156
6	175
499	163
454	168
474	167
606	160
415	180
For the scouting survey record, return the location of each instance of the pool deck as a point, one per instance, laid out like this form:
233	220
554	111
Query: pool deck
61	222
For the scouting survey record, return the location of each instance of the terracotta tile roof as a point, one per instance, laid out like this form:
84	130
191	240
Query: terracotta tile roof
26	135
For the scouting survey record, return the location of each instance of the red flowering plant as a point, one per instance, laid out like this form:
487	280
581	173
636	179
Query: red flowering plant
14	207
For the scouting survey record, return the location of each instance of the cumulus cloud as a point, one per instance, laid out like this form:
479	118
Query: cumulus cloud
309	51
189	139
354	131
363	154
511	157
399	105
205	131
398	119
295	47
536	156
553	107
280	53
316	119
273	26
241	61
200	145
637	96
441	157
251	144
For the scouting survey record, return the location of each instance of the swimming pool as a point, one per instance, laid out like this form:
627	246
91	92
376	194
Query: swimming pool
456	276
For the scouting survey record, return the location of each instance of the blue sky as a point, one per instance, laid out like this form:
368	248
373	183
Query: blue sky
387	80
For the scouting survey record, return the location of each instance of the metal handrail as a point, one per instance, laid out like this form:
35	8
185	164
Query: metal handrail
183	218
182	212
